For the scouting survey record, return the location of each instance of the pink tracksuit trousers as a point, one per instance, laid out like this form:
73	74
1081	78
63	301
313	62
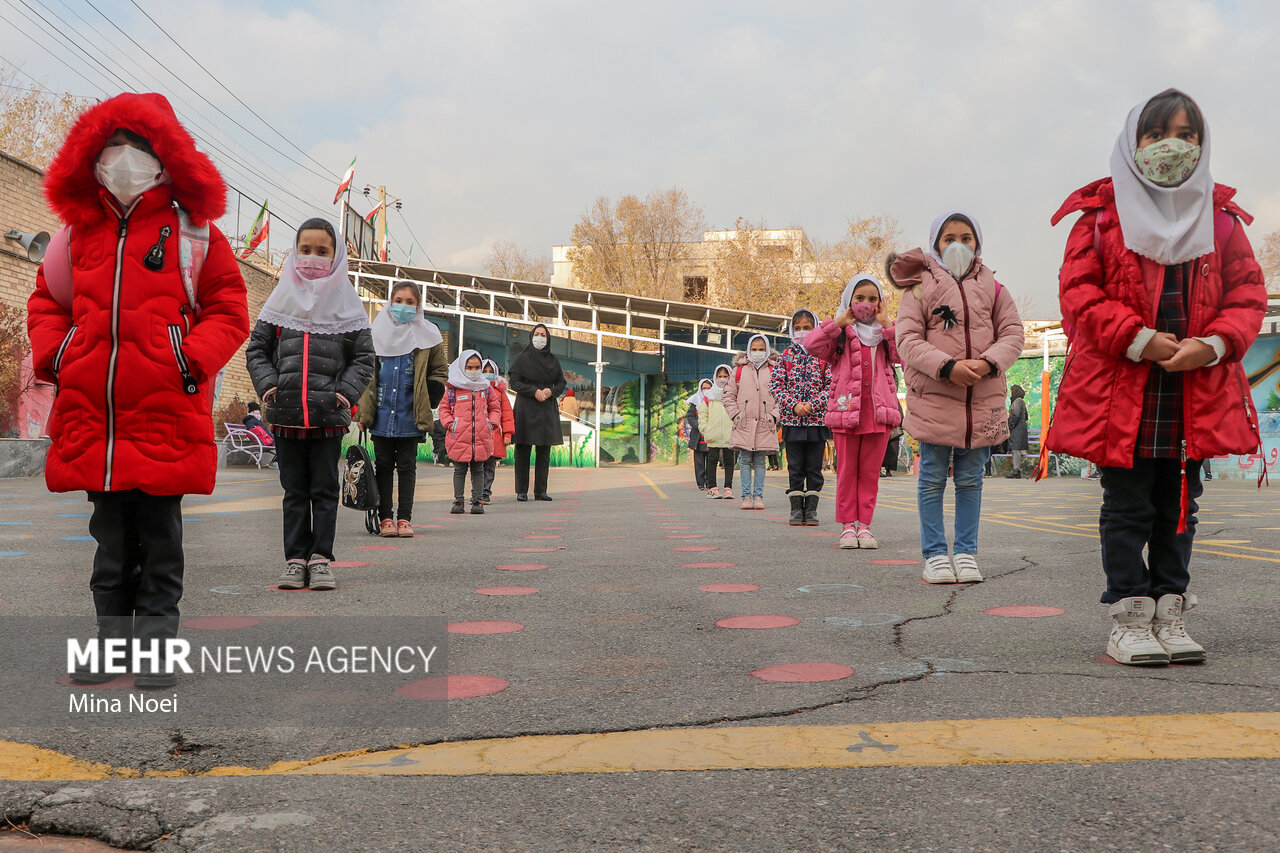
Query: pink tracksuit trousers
858	460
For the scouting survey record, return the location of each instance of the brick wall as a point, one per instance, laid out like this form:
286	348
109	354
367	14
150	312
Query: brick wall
22	207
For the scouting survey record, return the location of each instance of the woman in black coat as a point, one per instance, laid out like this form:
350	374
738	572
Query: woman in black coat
1018	438
538	381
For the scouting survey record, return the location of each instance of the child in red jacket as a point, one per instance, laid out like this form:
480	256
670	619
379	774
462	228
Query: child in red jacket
131	354
1161	297
469	413
501	435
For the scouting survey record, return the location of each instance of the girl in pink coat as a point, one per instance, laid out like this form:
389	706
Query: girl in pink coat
958	332
862	406
750	402
470	411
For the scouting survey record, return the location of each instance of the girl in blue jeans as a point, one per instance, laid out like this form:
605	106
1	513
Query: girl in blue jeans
750	402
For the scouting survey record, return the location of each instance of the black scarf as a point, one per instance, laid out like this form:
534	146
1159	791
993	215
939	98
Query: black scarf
539	366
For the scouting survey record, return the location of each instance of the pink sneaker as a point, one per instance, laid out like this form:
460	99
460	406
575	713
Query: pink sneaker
387	528
713	493
757	503
866	540
849	538
404	529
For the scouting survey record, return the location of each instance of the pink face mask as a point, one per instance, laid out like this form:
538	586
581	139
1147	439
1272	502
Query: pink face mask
864	312
312	267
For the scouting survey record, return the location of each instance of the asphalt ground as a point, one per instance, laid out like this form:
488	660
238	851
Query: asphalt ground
613	710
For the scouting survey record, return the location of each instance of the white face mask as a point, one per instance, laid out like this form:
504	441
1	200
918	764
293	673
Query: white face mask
473	375
722	381
757	357
799	335
539	342
128	172
958	258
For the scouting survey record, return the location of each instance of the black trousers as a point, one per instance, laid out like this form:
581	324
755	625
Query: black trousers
1140	507
309	475
700	468
137	569
891	454
542	466
460	470
725	456
392	456
804	466
490	472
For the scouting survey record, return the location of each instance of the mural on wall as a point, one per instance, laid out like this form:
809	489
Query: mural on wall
1262	366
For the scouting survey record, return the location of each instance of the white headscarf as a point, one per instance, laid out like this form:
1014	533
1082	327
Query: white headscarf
699	395
323	306
768	351
458	376
791	327
1170	225
715	386
871	333
936	228
391	339
499	382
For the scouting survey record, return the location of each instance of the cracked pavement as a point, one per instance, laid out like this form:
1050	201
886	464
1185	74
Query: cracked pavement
619	637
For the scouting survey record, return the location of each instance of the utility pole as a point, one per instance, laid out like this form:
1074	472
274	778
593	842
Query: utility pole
380	217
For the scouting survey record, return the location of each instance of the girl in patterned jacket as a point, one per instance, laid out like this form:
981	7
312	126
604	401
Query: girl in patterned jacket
800	384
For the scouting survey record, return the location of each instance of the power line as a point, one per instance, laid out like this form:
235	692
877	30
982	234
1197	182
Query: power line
213	77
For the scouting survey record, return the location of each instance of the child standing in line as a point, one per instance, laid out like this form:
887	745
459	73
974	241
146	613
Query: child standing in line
862	405
115	330
309	356
754	411
800	383
717	431
410	370
503	434
697	444
1161	298
958	332
470	412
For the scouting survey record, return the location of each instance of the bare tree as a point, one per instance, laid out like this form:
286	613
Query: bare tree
862	248
767	270
33	119
510	261
636	246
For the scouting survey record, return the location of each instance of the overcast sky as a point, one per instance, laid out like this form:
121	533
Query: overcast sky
503	120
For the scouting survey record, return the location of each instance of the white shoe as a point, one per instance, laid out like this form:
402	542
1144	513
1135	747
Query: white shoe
966	567
1131	641
866	540
849	536
1168	629
938	569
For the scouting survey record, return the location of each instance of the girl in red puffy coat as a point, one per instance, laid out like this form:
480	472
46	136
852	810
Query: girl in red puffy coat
131	357
470	413
1161	297
501	435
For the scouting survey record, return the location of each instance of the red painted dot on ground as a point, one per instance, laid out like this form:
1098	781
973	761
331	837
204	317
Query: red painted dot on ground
377	547
543	536
799	672
221	623
427	526
821	533
523	567
676	526
118	683
535	550
894	562
758	620
729	587
436	687
550	528
1025	611
708	565
277	588
507	590
686	536
484	626
348	564
686	548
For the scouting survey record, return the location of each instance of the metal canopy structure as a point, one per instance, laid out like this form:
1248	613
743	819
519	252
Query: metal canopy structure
503	300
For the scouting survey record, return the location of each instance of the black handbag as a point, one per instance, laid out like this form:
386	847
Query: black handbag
359	488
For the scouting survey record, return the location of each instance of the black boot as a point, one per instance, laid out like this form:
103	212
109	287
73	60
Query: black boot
797	509
477	508
811	509
457	508
541	496
521	496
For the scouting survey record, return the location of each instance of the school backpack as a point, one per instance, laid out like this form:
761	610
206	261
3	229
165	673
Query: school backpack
359	488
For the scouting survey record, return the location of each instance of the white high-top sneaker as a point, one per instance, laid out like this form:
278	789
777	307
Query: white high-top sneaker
1169	631
938	569
1131	641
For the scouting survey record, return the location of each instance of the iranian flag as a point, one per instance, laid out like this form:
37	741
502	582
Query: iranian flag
257	232
346	181
369	217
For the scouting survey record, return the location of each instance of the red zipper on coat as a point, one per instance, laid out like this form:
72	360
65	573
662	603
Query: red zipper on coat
306	368
968	391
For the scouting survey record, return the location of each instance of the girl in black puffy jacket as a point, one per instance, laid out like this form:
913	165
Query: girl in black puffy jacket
310	356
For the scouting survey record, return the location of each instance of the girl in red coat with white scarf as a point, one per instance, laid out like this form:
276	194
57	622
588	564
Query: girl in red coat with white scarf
132	358
1161	297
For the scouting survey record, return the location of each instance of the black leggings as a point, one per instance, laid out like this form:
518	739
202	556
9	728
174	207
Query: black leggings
309	475
393	456
137	570
725	456
542	466
460	471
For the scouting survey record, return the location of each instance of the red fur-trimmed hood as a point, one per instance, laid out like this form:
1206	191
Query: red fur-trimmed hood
72	189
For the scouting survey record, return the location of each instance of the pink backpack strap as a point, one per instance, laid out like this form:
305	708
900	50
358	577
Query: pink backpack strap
1224	225
57	267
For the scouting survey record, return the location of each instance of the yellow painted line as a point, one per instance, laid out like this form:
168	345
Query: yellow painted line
1023	740
653	485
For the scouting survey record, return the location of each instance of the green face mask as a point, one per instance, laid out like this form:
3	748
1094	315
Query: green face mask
1167	163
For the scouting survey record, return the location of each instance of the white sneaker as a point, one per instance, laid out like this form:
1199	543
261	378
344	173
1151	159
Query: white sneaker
1168	629
866	540
1131	641
849	536
966	566
938	569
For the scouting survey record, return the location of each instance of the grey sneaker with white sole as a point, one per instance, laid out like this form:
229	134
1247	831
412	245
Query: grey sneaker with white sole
321	573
